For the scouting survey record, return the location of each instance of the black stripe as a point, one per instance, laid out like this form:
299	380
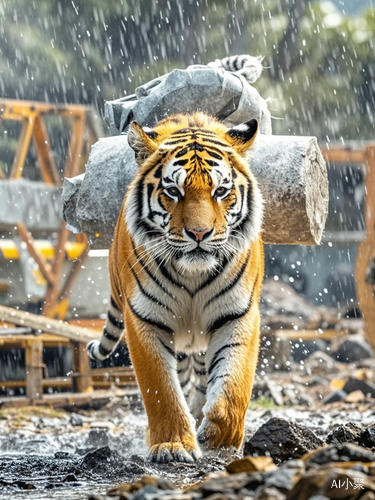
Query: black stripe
249	196
222	320
170	278
213	276
103	351
110	336
218	143
180	163
147	294
214	363
118	323
200	372
181	153
145	268
201	389
140	187
161	326
114	305
213	379
214	360
231	284
184	383
201	363
167	348
181	356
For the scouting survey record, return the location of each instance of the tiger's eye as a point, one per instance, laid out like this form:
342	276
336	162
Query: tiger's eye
173	191
220	191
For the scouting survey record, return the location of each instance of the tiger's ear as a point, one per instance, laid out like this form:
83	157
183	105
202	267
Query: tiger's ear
242	136
142	140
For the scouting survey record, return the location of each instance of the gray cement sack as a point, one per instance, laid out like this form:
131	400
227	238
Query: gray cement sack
220	93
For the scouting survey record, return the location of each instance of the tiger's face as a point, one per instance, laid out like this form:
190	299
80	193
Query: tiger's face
194	201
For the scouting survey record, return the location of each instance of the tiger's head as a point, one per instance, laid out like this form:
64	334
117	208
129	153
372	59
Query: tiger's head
194	200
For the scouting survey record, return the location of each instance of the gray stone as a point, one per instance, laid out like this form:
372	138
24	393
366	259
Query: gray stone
367	437
353	348
347	452
346	433
282	440
223	94
284	478
301	350
335	396
76	420
354	384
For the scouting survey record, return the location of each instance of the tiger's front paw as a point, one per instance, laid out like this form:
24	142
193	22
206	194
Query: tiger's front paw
164	453
217	432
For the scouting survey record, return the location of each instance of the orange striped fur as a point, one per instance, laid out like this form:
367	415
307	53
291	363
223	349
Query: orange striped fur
186	269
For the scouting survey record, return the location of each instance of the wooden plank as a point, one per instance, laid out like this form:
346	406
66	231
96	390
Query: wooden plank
43	150
82	381
68	399
366	251
337	155
47	325
76	146
23	147
306	334
42	263
34	367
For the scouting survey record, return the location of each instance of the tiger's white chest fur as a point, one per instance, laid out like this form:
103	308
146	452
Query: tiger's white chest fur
190	307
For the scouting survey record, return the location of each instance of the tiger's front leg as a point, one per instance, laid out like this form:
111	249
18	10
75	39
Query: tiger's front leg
231	362
171	432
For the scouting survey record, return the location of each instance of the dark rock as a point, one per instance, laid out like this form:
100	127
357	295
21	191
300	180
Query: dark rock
148	492
62	455
335	396
225	484
76	420
367	437
70	478
91	460
302	350
354	384
282	440
346	452
269	493
286	476
353	348
346	433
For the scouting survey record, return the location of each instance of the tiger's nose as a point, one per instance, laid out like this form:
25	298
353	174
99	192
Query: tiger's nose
198	234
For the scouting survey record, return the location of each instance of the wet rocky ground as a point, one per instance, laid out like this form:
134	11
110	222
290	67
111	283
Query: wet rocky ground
309	431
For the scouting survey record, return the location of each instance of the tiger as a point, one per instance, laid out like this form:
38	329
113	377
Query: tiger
186	268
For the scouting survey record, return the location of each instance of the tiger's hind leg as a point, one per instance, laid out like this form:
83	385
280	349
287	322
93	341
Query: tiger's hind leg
185	373
200	386
111	336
